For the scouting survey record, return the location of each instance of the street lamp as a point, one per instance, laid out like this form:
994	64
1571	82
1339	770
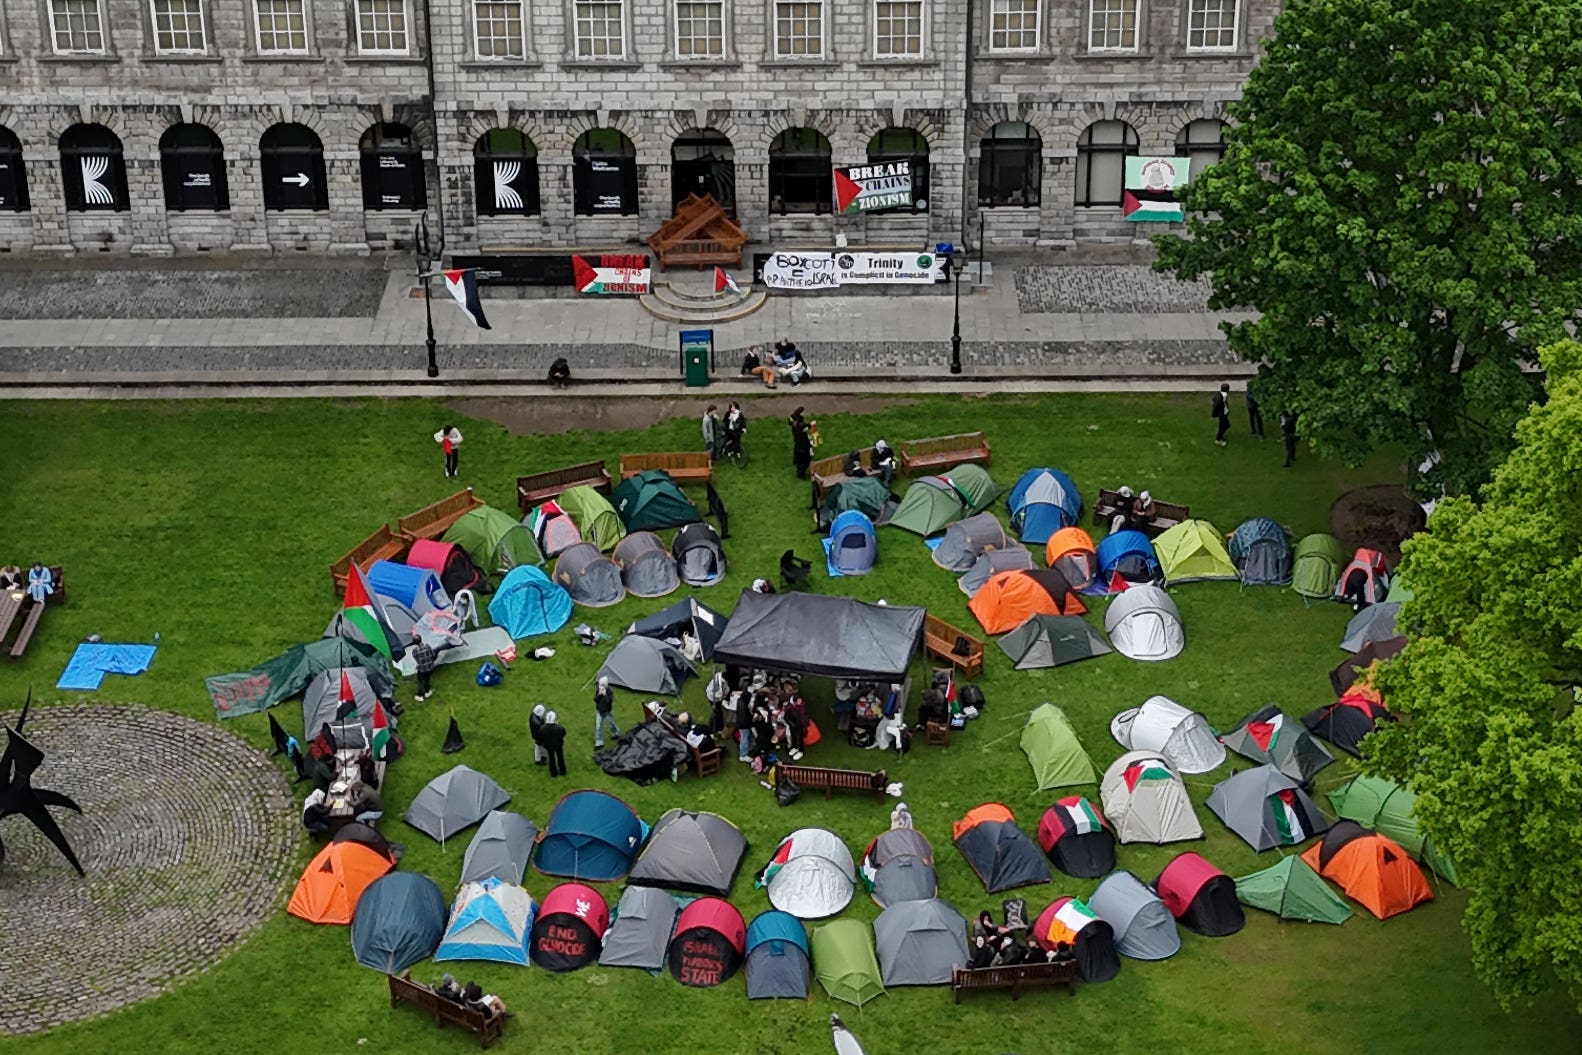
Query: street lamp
955	333
425	259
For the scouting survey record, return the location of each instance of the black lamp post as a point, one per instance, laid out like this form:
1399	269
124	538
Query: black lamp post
955	333
425	261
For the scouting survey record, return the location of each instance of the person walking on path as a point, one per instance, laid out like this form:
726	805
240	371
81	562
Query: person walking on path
553	735
1222	413
1254	414
603	706
1288	435
535	729
801	443
449	440
711	430
423	656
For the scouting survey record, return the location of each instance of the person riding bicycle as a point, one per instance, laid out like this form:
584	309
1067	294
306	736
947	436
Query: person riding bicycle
734	429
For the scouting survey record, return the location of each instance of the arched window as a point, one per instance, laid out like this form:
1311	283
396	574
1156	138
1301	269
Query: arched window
903	144
703	162
392	165
1010	165
800	176
13	174
1102	150
291	162
192	161
93	170
1203	142
505	172
604	174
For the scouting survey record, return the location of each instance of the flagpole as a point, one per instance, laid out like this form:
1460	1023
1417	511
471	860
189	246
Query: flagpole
421	243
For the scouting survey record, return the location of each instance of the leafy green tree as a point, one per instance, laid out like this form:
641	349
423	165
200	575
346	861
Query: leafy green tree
1490	736
1401	199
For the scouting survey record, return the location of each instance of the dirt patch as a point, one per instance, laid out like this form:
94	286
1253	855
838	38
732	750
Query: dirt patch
527	415
1378	517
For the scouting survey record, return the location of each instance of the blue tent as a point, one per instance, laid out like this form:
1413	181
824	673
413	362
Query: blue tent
528	602
417	588
1042	502
1261	551
490	921
590	836
777	957
1127	552
852	546
398	921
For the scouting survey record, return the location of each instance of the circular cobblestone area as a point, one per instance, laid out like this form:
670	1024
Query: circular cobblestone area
187	836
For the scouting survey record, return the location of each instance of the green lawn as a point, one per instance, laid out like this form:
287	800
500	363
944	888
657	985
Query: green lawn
213	524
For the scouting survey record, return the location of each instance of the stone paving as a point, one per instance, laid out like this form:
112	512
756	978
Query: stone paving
1130	288
353	291
188	838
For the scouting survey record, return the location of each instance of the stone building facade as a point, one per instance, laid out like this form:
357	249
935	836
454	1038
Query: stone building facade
151	126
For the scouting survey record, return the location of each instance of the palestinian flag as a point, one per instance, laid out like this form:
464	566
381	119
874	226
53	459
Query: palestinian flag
1287	821
1140	206
723	282
1148	769
381	731
1118	583
1081	817
1264	734
463	286
1068	922
776	863
1151	188
358	610
348	697
626	274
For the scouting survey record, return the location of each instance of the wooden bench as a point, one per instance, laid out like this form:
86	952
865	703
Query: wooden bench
537	488
432	521
1016	978
383	544
939	638
683	466
831	779
405	990
827	472
941	452
704	763
1166	514
29	613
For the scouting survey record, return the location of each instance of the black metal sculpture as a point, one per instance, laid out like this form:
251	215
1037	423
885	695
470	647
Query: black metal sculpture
18	795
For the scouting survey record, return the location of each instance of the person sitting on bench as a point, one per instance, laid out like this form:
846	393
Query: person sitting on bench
1143	512
852	466
883	462
40	583
982	954
1125	506
316	813
448	989
10	577
559	373
1012	953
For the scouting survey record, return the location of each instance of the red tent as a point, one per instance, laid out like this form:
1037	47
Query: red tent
569	931
449	561
1200	896
1091	939
1076	839
1366	579
710	940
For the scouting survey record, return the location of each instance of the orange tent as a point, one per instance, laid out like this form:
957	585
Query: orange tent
334	880
1373	871
989	811
1070	552
1006	601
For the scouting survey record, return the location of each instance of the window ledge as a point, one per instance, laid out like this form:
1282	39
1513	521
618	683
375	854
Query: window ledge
1112	56
913	61
87	60
700	64
601	64
384	60
179	59
5	59
990	55
794	64
302	57
1237	55
500	64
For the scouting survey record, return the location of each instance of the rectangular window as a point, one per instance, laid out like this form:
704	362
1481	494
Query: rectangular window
1112	25
799	29
1211	25
497	29
1013	25
282	27
897	29
601	29
700	29
178	26
77	27
381	27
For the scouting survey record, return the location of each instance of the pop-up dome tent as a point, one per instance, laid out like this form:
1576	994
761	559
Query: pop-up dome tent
1292	890
1193	551
777	963
1144	624
810	875
1008	599
646	664
899	866
966	540
639	935
1161	724
449	561
1144	928
1375	872
863	494
491	920
651	501
334	880
992	563
1386	807
496	541
920	943
1367	577
852	546
710	941
972	482
1270	735
569	933
1200	896
454	801
1373	624
1052	641
1041	503
529	603
647	568
399	920
501	848
591	578
553	528
417	588
1053	750
1075	838
1070	551
844	961
699	554
1146	802
1266	808
687	617
1349	719
594	515
1316	564
333	689
997	850
1070	921
1128	554
1261	552
696	852
590	835
928	507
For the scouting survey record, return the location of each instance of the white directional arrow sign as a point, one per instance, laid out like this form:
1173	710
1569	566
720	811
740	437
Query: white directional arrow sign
300	179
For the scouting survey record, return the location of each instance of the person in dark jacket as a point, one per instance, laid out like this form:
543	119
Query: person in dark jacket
603	713
801	443
1254	414
423	655
1288	435
1221	411
553	736
535	729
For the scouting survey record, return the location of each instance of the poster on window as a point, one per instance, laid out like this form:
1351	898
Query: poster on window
393	180
13	190
1151	188
869	188
619	274
201	181
800	270
609	187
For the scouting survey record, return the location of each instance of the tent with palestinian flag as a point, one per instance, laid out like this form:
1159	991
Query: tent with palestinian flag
1266	808
1146	801
1270	735
1151	188
342	693
359	617
1076	840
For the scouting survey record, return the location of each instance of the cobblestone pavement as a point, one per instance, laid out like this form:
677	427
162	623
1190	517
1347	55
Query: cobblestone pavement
351	291
1104	288
187	836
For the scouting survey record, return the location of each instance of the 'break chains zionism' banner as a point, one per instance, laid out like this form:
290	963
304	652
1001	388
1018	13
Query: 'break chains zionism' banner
1151	186
868	188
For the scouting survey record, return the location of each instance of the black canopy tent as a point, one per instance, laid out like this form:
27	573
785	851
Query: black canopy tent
830	637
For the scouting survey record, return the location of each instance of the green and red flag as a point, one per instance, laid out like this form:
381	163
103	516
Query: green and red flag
359	610
381	731
1151	188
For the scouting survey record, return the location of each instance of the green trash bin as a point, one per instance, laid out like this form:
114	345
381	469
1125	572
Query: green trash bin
697	357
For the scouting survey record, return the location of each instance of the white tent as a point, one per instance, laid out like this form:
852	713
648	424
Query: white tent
811	874
1182	736
1144	624
1146	801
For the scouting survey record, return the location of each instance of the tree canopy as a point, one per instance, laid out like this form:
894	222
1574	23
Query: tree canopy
1490	736
1400	200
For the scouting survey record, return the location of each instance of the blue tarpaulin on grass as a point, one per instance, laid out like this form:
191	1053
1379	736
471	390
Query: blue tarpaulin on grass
87	667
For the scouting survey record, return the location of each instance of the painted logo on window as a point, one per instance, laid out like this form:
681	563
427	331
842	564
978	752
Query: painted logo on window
93	191
505	195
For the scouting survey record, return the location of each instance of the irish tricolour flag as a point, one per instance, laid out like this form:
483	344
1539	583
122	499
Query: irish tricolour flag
358	610
1068	922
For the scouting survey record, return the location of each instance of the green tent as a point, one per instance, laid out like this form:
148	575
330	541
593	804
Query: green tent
1193	551
1316	564
651	500
288	674
845	963
1292	890
1052	747
1400	589
496	541
1388	809
866	494
973	484
929	506
594	516
1052	640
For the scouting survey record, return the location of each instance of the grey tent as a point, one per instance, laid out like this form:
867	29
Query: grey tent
1261	551
777	957
700	557
1051	641
453	802
696	852
1266	808
686	617
1144	928
1374	623
830	637
646	664
967	540
1011	558
906	877
640	932
399	920
321	700
592	579
501	848
1270	735
647	568
920	942
1145	624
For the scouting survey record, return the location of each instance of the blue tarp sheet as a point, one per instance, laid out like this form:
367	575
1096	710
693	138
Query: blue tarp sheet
91	662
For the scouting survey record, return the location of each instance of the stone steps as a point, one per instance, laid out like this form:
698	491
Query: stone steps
674	303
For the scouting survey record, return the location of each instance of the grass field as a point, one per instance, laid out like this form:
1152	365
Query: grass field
213	524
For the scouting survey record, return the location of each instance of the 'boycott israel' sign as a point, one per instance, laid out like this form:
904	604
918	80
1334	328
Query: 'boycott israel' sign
826	270
868	188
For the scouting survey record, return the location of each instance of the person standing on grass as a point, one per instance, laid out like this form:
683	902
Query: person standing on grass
449	440
424	657
801	443
603	708
553	734
1254	414
1288	434
711	430
535	729
1221	413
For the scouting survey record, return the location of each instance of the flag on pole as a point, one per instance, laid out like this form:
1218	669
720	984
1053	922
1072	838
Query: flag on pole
358	609
381	732
348	700
723	282
463	286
